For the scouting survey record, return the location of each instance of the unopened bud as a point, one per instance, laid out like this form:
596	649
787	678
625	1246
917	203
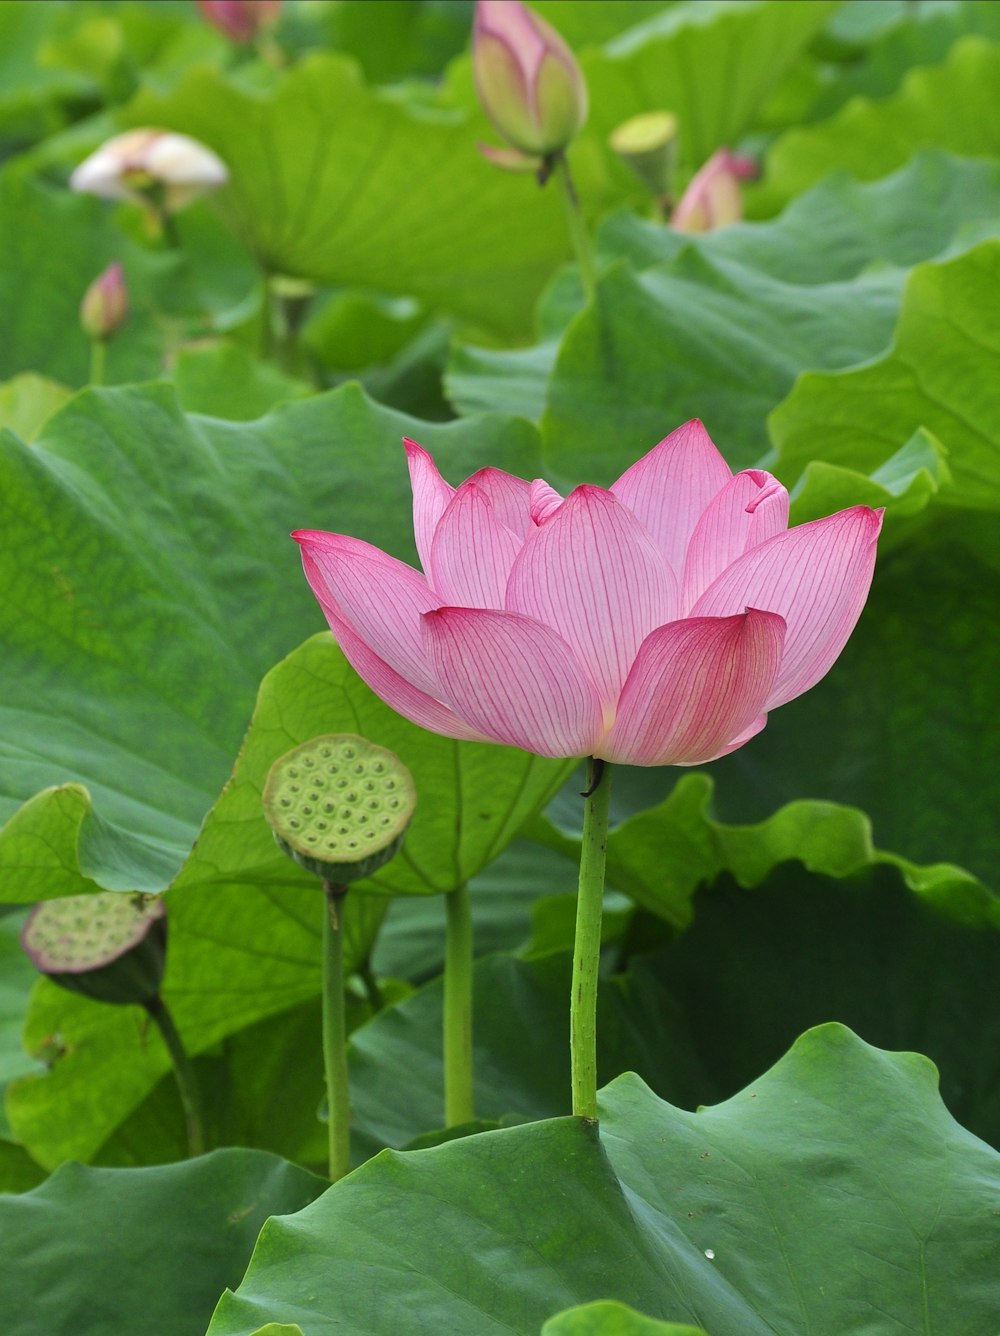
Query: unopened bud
240	20
141	163
105	304
648	144
714	197
528	80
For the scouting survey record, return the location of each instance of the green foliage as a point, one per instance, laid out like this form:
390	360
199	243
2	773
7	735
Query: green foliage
938	106
772	950
322	200
97	1250
746	1217
153	616
158	590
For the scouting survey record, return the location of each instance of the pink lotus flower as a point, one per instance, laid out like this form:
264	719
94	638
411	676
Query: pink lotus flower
714	196
527	77
654	623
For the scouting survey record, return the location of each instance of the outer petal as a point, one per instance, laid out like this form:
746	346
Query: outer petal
514	679
593	573
817	576
696	686
380	598
472	552
397	693
509	497
671	485
750	509
431	495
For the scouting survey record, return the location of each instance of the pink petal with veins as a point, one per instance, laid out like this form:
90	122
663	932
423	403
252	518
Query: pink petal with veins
750	509
431	495
696	685
472	552
817	577
509	497
380	598
513	679
669	488
593	573
399	694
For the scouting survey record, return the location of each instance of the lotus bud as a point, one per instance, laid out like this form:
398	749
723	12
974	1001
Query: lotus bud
528	80
105	304
161	166
339	806
110	946
713	197
648	144
240	20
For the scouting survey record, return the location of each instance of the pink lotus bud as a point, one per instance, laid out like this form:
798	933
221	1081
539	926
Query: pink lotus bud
141	163
240	20
105	304
653	623
528	80
713	197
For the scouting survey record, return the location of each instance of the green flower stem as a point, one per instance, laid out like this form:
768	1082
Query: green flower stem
577	227
459	1104
187	1082
338	1098
98	359
587	946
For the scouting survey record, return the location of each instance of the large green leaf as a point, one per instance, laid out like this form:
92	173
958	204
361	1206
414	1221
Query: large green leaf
748	1217
245	921
698	337
945	106
152	583
937	202
763	960
472	798
126	1253
321	164
913	35
937	375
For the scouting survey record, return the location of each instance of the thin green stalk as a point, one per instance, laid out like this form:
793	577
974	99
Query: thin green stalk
577	227
338	1099
187	1082
587	946
98	359
459	1106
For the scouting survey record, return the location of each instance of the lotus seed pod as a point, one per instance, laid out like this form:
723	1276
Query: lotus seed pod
648	144
110	946
339	806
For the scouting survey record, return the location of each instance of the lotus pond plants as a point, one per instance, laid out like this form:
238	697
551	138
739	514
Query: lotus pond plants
571	909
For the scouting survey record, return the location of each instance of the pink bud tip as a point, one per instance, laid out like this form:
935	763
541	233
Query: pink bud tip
105	303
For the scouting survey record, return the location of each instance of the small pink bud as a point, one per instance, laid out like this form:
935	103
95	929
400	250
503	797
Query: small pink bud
139	162
528	80
240	20
105	304
713	197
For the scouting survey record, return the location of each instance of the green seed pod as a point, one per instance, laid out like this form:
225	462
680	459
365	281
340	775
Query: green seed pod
111	946
339	806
